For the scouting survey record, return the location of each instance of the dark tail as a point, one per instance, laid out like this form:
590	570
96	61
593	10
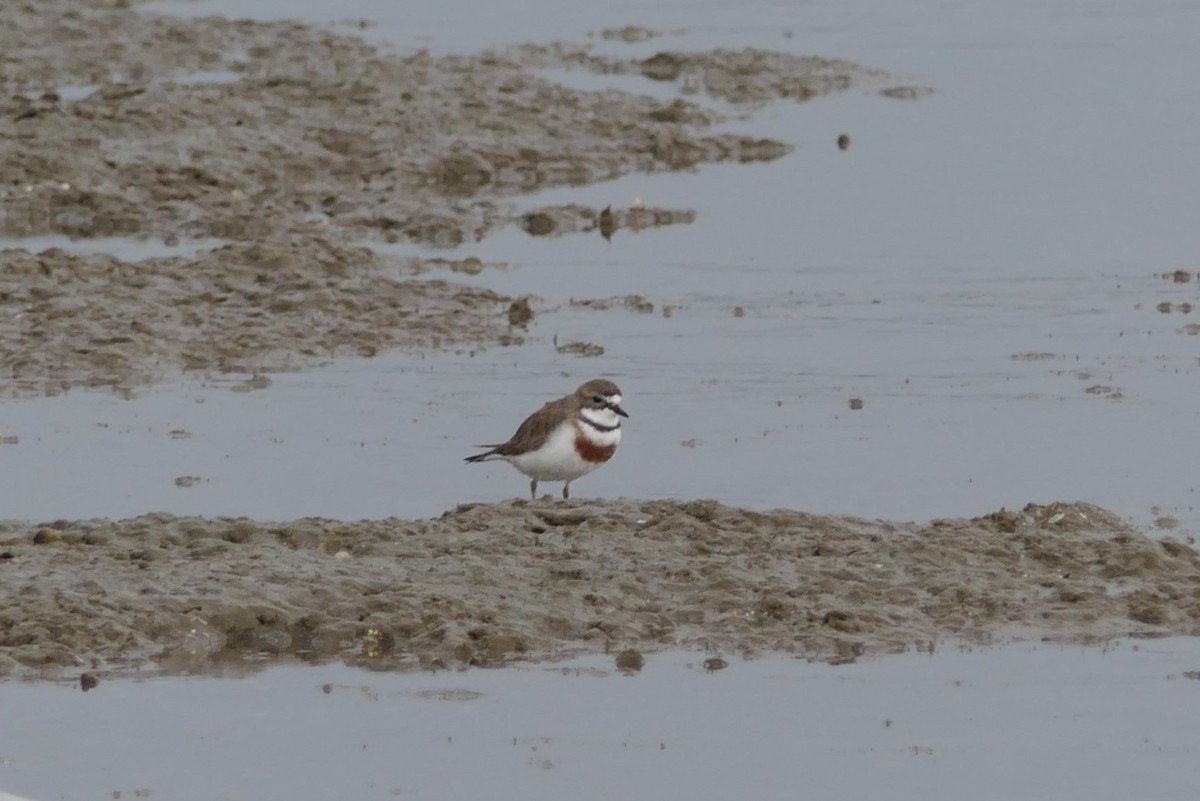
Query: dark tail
479	457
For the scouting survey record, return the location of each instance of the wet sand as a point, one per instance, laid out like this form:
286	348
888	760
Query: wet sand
490	584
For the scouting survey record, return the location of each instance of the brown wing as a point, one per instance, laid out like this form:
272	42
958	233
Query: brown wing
537	426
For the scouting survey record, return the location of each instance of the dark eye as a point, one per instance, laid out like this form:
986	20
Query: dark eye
598	399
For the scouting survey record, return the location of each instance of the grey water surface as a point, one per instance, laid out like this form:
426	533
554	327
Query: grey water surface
1028	722
983	268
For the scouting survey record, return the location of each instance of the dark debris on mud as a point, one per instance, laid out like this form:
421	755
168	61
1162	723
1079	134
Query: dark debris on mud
489	584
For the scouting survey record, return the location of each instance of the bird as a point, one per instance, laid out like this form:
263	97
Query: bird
565	439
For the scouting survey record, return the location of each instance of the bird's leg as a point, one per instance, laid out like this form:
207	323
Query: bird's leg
566	490
533	489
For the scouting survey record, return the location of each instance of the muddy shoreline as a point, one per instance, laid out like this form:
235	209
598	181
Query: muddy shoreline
297	147
300	150
492	584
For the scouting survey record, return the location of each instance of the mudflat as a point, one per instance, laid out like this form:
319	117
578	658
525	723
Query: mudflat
296	148
299	150
489	584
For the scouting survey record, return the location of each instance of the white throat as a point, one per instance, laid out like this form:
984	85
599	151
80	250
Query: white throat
605	418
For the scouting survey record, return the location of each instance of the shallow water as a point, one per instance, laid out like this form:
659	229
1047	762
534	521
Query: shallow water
971	267
129	249
1034	722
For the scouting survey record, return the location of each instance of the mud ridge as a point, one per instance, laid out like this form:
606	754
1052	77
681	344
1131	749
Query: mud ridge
489	584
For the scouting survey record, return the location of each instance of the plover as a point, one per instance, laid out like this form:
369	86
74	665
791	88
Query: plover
566	438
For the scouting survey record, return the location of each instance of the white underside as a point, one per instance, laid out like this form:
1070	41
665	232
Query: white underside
557	459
